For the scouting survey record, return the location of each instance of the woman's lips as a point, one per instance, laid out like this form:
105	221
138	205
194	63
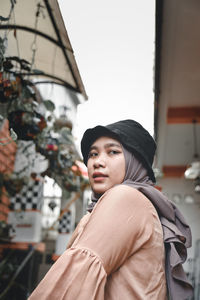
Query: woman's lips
99	177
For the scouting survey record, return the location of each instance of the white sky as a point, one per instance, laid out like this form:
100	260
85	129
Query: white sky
113	43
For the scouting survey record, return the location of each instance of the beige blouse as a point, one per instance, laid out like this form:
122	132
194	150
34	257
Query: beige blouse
116	253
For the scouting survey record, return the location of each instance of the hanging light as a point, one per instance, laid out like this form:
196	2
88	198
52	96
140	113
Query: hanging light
197	185
158	173
193	171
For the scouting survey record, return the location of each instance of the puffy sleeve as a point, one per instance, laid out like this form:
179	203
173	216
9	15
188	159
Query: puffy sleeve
119	225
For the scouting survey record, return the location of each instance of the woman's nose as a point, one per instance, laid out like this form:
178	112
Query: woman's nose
99	161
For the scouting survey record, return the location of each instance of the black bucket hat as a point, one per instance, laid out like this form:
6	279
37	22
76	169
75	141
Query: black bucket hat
132	135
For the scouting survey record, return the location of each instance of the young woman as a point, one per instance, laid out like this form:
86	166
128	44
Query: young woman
132	243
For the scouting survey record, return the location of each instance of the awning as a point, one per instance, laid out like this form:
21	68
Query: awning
36	32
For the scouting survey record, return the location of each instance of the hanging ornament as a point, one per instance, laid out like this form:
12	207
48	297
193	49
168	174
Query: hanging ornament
52	204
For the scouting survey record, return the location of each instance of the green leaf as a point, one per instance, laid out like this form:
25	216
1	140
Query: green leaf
13	134
49	105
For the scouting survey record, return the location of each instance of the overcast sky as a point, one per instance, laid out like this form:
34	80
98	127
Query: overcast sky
113	43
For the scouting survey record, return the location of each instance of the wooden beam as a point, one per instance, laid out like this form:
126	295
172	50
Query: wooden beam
174	171
24	246
183	115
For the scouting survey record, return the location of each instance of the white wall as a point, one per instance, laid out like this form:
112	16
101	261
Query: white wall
60	96
178	191
27	226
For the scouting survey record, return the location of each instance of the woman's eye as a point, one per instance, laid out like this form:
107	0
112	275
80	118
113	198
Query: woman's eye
92	154
113	152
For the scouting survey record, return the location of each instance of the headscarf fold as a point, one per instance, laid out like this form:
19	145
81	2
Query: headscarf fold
176	232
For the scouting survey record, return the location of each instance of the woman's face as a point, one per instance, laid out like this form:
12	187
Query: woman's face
106	164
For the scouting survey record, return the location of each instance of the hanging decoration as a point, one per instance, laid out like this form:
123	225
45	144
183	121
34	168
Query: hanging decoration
63	120
59	148
24	115
12	183
9	87
193	170
52	204
32	119
17	90
26	124
5	230
45	143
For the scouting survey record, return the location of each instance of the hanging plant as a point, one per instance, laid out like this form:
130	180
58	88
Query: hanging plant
23	116
67	178
22	64
62	122
5	231
65	158
71	182
46	144
10	87
26	124
60	150
13	184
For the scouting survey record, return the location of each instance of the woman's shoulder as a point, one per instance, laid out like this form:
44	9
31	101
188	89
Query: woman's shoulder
126	196
127	191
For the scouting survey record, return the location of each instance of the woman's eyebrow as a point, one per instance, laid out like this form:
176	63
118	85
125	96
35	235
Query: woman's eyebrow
93	148
106	146
112	145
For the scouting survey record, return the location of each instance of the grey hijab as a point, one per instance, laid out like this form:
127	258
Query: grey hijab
176	232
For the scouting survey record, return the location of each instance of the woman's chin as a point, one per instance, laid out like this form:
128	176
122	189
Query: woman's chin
99	192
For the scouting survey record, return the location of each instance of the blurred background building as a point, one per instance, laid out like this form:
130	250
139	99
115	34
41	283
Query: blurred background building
177	115
42	178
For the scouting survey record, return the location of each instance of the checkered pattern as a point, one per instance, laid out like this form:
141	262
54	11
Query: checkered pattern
29	198
65	224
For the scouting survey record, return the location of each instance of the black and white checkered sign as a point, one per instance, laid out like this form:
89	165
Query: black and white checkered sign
29	198
65	224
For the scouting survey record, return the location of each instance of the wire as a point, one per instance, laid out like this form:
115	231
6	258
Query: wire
9	16
17	42
34	44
